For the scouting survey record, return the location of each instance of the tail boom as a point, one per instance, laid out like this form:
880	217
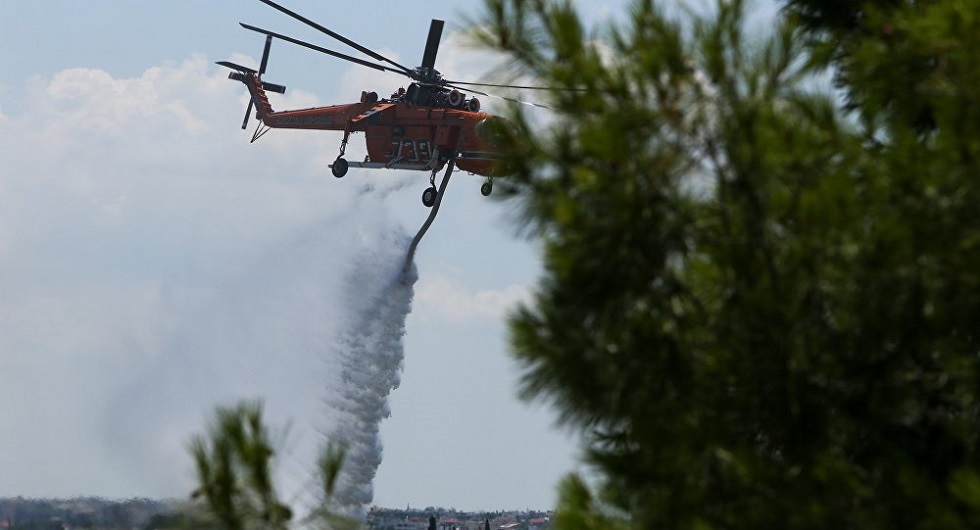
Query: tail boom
331	118
256	89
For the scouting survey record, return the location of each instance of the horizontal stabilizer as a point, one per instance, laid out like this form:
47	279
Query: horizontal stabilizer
271	87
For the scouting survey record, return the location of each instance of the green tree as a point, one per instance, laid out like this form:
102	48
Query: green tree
893	55
761	309
235	472
234	462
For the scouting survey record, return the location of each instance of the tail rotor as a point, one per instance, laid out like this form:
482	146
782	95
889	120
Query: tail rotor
239	75
262	66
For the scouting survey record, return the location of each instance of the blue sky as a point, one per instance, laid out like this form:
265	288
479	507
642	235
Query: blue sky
153	263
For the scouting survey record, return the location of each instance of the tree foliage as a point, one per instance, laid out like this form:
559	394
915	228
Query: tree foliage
760	307
236	482
903	57
235	472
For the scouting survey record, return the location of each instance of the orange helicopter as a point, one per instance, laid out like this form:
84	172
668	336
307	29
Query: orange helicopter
431	125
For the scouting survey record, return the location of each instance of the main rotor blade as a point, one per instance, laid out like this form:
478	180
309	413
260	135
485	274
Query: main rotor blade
525	87
450	85
321	49
341	38
432	44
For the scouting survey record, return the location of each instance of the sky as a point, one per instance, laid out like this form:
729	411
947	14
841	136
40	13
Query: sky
154	264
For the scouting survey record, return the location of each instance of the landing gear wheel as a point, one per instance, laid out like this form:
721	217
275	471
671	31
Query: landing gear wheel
487	188
429	197
339	167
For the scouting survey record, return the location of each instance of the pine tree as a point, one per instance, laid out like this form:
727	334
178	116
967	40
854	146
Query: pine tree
760	306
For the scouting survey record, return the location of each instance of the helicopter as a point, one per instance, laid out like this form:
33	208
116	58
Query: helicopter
431	125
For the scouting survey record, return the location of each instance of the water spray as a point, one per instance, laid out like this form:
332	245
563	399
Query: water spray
370	351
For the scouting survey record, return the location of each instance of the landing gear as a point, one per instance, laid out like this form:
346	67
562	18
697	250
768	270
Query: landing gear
339	167
487	188
432	212
430	193
429	196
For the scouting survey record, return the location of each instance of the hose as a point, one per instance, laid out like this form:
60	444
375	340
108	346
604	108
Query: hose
406	268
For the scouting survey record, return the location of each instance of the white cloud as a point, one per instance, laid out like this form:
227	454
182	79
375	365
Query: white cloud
153	263
358	78
445	299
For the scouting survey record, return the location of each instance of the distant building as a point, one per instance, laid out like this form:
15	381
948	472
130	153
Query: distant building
538	523
453	523
408	525
387	523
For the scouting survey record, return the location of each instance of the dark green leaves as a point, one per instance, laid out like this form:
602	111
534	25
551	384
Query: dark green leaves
761	310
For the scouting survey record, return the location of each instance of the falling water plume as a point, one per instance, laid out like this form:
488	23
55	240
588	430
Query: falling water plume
377	300
369	350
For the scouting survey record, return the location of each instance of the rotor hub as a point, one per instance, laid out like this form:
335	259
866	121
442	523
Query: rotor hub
425	74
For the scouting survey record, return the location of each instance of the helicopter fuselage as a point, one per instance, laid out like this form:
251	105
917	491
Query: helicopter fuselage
398	134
